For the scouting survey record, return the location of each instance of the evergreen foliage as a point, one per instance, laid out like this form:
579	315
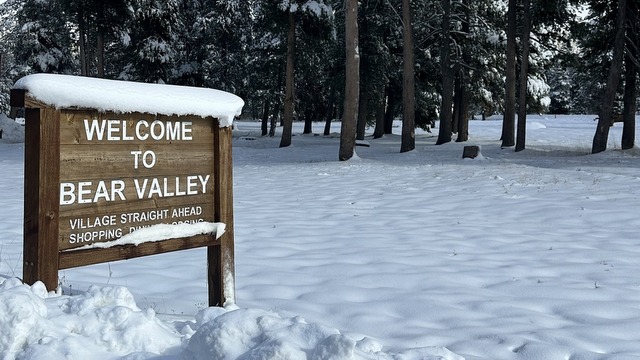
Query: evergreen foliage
240	46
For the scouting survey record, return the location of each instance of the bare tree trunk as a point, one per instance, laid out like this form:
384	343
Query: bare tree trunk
630	85
287	121
457	102
606	108
100	53
308	124
379	130
327	126
352	82
463	122
524	76
265	118
629	114
388	115
330	109
463	111
408	82
463	118
509	119
363	110
82	44
274	117
444	134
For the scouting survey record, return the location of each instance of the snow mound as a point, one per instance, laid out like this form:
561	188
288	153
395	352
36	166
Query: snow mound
534	125
259	334
65	91
12	132
93	325
106	323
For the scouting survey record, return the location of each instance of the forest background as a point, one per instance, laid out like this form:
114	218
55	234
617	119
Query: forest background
422	60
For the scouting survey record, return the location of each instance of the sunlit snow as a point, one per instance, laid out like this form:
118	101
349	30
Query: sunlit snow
415	256
65	91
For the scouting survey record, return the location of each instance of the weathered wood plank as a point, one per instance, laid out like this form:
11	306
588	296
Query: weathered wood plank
82	162
125	128
221	264
77	231
103	208
42	158
75	258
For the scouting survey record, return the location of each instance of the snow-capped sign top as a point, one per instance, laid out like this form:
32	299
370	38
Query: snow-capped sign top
66	91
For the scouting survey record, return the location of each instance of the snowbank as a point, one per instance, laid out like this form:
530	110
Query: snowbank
12	132
64	91
93	325
106	323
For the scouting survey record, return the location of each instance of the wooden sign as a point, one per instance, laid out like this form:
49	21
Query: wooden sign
94	179
121	173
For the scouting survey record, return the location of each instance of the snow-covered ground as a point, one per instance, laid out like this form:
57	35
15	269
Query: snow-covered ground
530	255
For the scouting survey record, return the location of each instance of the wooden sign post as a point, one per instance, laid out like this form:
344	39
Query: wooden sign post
96	179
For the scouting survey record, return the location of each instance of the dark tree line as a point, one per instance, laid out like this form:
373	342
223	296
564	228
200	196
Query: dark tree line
366	62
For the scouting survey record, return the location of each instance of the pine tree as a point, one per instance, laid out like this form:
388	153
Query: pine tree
8	69
153	40
43	41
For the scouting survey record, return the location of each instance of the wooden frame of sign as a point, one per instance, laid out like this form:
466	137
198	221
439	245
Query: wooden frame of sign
92	177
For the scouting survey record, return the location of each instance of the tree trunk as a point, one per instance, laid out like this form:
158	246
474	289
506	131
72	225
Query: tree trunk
379	130
509	117
606	108
463	114
265	118
82	44
629	114
363	110
463	118
524	76
308	125
287	121
444	134
630	85
274	117
352	82
327	127
463	122
388	115
330	109
408	81
457	101
100	52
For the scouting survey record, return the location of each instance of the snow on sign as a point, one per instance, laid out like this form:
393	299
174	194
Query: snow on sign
116	170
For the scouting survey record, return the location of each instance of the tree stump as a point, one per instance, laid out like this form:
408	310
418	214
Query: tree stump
470	152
